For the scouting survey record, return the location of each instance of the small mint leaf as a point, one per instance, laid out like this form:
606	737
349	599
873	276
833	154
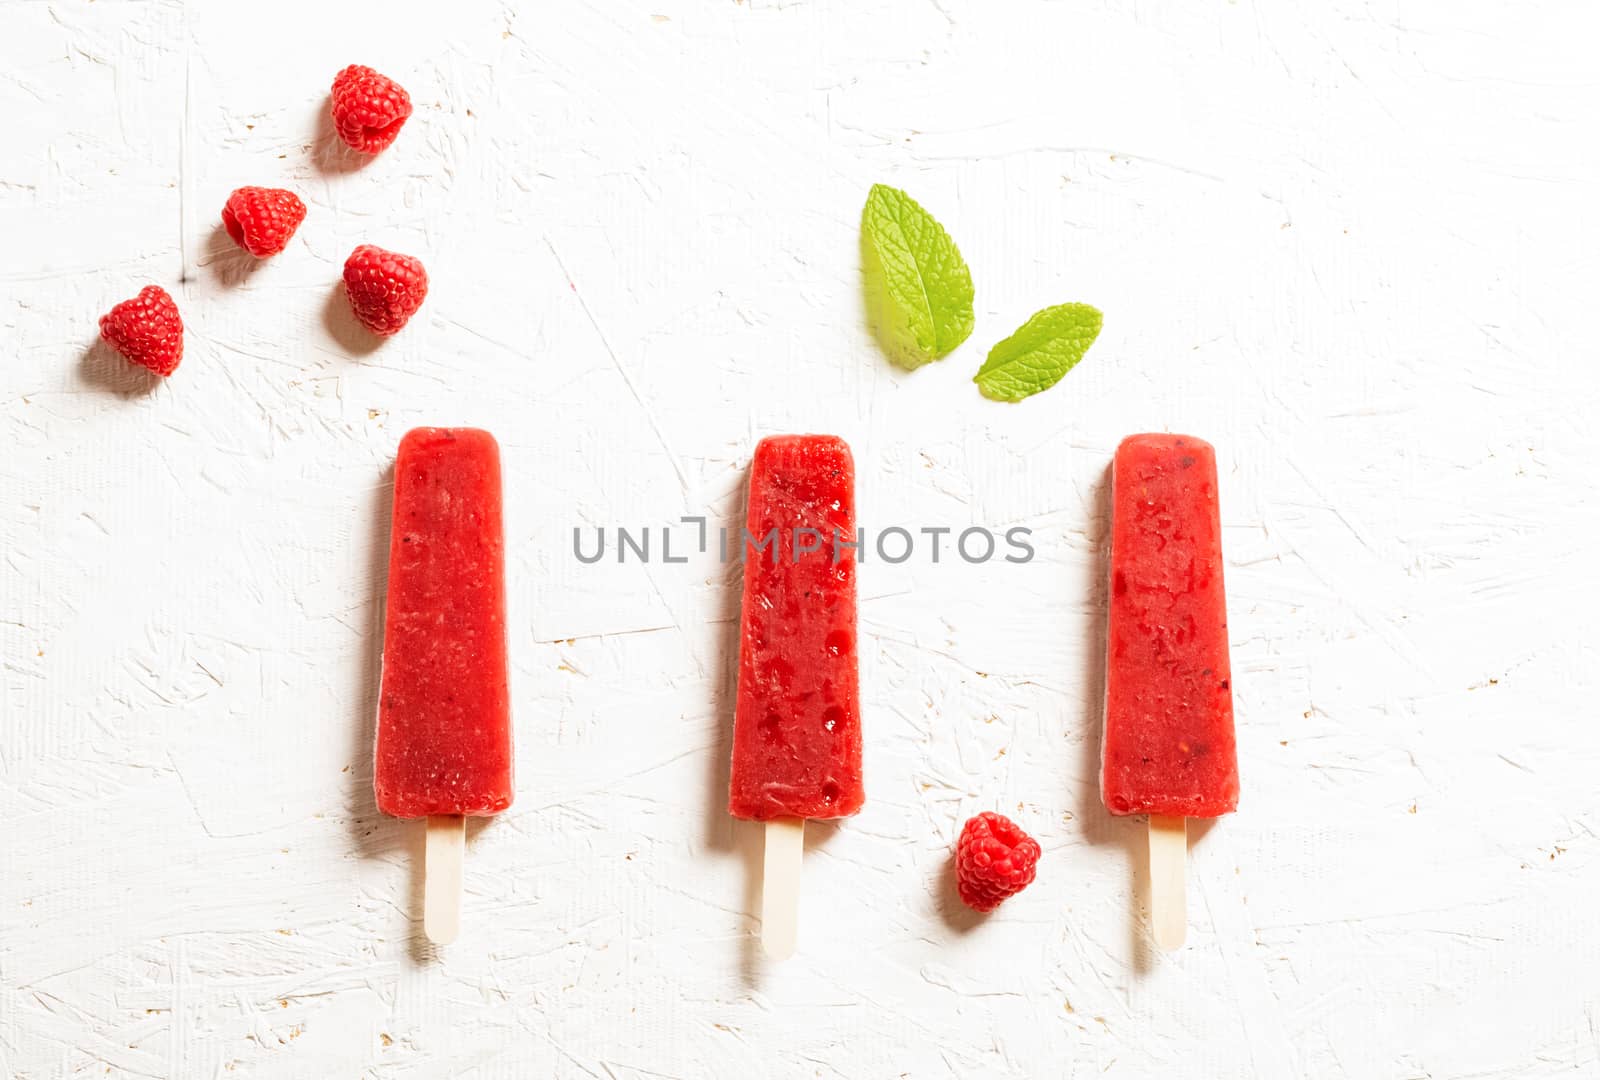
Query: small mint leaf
919	290
1042	350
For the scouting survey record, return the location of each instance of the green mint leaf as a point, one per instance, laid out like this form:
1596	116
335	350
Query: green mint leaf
1044	349
919	291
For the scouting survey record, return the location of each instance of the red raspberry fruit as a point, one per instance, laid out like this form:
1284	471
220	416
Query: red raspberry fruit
147	330
261	220
994	859
385	289
368	108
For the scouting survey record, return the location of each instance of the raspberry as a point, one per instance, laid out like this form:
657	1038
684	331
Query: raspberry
261	220
994	859
368	108
147	330
385	289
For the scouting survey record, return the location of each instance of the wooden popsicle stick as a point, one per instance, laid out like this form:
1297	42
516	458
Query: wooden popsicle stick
780	886
1169	852
446	852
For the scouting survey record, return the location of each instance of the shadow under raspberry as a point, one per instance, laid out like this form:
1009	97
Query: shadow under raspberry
104	369
343	326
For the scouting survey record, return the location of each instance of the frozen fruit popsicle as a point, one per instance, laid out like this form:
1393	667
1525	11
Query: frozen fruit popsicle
797	728
444	717
1168	749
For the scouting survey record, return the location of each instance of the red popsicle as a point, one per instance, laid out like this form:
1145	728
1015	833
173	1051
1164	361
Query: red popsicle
797	726
797	730
1168	748
444	716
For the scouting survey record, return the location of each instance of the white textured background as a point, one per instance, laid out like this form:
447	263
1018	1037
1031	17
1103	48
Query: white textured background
1355	244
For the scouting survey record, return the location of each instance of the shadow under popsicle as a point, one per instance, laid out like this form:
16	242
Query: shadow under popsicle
722	831
376	834
1098	824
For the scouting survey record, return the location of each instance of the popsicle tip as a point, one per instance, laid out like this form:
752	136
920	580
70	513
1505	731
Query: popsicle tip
441	931
778	943
1170	938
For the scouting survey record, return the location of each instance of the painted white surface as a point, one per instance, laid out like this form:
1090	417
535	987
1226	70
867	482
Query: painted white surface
1355	244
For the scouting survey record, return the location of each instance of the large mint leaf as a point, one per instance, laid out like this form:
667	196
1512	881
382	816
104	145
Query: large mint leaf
919	291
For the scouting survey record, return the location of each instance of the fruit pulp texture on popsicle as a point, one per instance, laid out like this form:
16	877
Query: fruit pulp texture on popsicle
1168	746
444	712
797	728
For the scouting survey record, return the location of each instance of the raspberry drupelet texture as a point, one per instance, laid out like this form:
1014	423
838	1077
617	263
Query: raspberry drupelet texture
995	859
385	289
261	220
147	330
368	108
